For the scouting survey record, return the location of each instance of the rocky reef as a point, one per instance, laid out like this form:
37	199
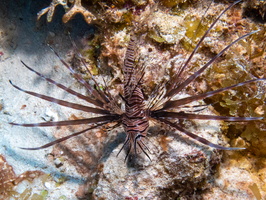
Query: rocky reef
168	31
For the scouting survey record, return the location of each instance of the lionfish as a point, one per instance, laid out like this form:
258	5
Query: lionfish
136	114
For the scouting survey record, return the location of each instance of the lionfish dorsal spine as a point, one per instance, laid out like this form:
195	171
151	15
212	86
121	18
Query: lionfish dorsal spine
129	63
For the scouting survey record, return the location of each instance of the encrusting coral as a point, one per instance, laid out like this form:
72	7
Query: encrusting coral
76	8
9	181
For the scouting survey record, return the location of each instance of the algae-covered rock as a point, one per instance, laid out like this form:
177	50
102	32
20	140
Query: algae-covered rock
167	32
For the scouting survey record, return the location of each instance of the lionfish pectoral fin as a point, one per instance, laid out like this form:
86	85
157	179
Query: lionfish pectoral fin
95	102
198	138
183	115
96	93
172	91
180	87
63	138
102	119
106	97
179	102
62	102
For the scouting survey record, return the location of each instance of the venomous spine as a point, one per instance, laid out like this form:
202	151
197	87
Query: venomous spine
135	118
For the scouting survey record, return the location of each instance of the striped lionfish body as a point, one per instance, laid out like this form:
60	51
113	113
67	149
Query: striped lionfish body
135	118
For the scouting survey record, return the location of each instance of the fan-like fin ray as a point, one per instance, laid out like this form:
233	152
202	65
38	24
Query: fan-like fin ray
182	115
64	103
86	98
180	102
198	138
180	87
173	90
71	122
106	96
64	138
91	90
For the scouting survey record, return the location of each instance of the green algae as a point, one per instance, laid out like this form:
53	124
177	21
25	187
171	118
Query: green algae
171	3
195	29
63	197
156	37
60	181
